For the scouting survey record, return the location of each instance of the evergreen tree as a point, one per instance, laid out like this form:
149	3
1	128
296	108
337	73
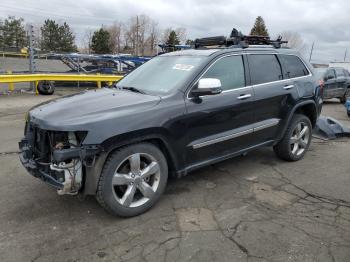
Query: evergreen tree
259	27
57	38
173	38
100	42
66	43
12	33
50	36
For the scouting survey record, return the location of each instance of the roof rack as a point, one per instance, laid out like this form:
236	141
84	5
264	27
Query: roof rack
237	39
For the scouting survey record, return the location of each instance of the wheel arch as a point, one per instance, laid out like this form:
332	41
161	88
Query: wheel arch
307	108
110	145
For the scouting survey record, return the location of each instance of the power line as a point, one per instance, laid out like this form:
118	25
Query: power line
44	13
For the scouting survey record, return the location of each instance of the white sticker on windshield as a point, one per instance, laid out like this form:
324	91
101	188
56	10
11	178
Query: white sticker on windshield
183	67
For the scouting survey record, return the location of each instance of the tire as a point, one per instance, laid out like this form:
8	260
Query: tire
289	151
124	181
345	97
46	87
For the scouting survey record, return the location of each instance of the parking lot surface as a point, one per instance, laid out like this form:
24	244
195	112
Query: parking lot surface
254	208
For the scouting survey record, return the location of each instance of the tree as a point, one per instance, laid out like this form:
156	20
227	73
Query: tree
294	40
57	38
87	39
50	36
67	38
115	37
12	33
173	38
259	27
100	42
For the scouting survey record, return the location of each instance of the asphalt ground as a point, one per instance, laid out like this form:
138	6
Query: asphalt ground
252	208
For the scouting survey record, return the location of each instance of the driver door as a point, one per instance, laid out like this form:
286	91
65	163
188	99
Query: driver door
220	124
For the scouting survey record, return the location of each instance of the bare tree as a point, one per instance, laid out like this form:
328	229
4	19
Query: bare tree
153	37
87	38
181	34
294	39
115	33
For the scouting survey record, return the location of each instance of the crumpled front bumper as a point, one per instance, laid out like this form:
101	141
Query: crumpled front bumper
33	167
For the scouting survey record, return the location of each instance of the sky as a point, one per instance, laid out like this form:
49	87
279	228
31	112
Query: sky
326	23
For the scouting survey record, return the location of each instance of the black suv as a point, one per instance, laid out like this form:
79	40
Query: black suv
176	113
336	82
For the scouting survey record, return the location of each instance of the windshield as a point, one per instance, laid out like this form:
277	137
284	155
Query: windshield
162	74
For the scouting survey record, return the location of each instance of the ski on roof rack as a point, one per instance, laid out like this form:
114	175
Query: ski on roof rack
237	39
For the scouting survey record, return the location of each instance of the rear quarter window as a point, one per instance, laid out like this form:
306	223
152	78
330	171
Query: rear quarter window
293	66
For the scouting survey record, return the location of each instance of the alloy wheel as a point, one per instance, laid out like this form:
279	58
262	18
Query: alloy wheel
136	180
300	139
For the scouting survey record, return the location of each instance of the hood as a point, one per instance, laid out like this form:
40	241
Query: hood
72	113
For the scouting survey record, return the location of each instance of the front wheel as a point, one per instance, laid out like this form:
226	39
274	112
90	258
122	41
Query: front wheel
133	179
296	140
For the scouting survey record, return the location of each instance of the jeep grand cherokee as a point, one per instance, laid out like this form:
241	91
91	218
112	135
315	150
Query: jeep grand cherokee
176	113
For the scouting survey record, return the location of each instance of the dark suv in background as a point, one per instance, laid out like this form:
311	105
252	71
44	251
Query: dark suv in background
176	113
336	82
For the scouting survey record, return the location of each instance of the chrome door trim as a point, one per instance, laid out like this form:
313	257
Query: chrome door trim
224	138
274	122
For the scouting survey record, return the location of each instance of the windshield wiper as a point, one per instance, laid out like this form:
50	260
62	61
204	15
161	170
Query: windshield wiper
132	89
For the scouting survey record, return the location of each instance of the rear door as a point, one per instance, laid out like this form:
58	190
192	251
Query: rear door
341	82
274	95
330	84
220	124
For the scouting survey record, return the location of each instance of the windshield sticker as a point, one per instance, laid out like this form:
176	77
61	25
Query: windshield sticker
183	67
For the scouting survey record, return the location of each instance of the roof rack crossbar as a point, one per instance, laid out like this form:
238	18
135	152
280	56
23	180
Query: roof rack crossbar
237	39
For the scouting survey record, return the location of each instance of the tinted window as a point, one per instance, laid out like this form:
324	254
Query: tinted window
330	73
339	72
293	66
264	69
229	70
346	72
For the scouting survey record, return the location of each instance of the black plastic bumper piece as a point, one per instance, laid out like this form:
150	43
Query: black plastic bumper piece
33	168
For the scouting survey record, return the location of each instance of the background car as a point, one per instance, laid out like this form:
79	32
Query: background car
336	82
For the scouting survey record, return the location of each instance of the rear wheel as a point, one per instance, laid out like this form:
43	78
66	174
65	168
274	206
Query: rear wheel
133	179
345	97
296	140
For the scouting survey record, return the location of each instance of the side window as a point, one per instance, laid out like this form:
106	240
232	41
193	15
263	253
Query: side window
340	72
264	69
331	73
229	70
293	66
346	73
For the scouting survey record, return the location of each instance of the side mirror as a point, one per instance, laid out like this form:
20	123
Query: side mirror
207	86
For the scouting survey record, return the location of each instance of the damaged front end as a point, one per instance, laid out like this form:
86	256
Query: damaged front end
57	157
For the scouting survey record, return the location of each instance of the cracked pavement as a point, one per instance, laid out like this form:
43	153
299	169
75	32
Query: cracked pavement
254	208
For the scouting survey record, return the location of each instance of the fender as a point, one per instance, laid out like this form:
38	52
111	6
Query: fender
93	172
292	112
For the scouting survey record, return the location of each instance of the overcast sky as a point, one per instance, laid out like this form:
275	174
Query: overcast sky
325	22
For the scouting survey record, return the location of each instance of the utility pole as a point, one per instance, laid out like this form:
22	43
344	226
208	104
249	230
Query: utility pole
312	49
137	35
346	52
32	67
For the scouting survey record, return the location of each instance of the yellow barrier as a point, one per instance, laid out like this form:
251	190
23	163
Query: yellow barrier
5	54
10	79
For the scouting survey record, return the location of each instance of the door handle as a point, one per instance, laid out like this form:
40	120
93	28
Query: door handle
242	97
288	87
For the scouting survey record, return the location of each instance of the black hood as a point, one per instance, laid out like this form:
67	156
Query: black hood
77	112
